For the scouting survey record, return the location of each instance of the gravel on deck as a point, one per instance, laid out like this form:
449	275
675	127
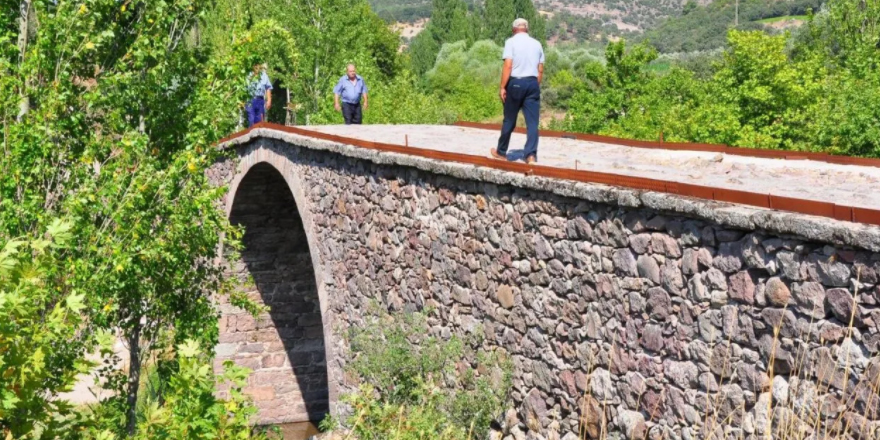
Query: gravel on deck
842	184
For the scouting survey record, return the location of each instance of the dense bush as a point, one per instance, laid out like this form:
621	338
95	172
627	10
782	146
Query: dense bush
416	385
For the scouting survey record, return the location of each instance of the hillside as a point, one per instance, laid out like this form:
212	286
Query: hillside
404	11
627	15
670	25
705	27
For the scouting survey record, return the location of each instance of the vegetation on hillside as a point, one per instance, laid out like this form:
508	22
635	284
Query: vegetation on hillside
700	28
809	92
451	21
641	14
567	27
406	11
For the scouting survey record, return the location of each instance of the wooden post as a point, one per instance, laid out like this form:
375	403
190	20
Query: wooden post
287	109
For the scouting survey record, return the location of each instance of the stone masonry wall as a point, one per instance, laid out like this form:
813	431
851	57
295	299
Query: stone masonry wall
285	347
654	324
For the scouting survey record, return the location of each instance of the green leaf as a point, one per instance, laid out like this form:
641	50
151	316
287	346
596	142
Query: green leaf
38	359
9	400
188	349
7	255
75	302
59	230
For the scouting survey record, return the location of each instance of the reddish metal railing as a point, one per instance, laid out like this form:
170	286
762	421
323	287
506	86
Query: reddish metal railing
770	201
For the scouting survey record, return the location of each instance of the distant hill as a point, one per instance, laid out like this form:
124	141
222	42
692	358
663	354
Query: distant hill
705	27
670	25
402	11
628	15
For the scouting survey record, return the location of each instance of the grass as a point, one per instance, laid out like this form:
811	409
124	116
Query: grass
772	20
660	66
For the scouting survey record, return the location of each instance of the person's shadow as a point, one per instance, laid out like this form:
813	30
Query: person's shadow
515	155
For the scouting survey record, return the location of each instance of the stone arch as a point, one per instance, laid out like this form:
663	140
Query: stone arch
290	349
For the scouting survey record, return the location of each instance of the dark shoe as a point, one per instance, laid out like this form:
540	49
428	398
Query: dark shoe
494	152
531	160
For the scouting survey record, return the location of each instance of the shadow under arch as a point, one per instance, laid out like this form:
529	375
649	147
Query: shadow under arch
286	348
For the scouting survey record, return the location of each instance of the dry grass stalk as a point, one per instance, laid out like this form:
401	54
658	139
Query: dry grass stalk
800	415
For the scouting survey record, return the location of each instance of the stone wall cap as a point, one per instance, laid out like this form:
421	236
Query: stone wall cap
815	228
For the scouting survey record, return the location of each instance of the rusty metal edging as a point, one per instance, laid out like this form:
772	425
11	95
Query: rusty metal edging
685	146
780	203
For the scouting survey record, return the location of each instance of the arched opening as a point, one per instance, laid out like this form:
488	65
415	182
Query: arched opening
284	347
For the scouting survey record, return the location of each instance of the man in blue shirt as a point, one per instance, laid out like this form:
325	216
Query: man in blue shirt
351	88
260	91
521	89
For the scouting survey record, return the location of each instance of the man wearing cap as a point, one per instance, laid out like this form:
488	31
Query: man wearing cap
260	89
352	89
521	89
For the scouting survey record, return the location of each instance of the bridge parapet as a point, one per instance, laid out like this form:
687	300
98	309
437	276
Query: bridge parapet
653	308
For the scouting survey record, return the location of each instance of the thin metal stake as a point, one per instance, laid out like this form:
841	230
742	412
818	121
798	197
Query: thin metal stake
406	140
576	164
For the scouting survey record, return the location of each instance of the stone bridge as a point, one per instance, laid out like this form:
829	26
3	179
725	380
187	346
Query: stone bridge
638	305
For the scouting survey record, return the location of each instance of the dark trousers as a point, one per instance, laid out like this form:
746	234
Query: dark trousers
351	113
522	94
256	110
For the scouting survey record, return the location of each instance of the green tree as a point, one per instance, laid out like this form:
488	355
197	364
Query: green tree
423	51
329	34
846	37
449	23
608	93
537	26
190	409
499	15
464	79
772	94
123	110
38	326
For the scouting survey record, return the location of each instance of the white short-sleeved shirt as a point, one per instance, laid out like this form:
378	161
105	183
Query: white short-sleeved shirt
526	53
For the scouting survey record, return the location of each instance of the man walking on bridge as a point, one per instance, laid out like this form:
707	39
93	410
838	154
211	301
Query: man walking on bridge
351	87
260	89
521	89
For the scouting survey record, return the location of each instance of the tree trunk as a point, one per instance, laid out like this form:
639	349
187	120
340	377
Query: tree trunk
25	9
134	378
736	15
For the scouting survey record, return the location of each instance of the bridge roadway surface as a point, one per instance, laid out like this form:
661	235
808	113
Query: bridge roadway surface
852	185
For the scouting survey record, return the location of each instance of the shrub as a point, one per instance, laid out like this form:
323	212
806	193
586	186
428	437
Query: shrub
416	385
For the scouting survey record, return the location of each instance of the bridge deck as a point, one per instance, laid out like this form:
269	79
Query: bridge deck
852	185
